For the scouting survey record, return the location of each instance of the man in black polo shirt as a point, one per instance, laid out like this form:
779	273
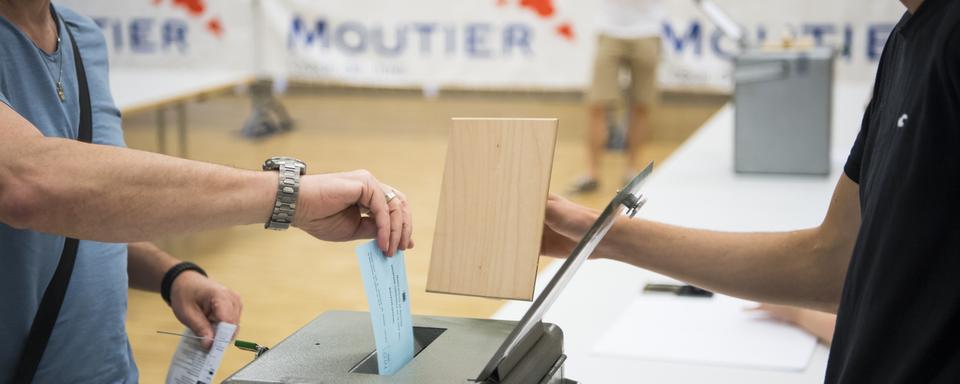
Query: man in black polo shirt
892	273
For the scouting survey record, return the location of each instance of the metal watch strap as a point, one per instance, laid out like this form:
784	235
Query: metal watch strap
288	188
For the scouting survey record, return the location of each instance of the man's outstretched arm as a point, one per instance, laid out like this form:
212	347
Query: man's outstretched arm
804	268
105	193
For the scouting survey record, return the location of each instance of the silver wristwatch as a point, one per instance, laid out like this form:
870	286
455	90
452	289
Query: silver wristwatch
288	188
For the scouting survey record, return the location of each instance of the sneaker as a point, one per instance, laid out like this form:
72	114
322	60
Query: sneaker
585	184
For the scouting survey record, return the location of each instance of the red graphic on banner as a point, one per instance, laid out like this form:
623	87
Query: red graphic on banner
545	10
215	27
194	7
198	9
566	31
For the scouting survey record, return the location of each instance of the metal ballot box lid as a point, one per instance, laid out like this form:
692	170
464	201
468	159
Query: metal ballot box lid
336	346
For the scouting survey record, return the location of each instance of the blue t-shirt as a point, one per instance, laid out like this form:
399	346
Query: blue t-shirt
89	342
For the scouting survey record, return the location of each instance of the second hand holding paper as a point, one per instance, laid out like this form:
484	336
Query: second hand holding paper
194	364
385	283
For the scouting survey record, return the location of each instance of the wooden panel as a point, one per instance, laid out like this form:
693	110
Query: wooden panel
490	218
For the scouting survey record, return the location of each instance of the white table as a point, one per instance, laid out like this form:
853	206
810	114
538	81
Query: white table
697	187
137	90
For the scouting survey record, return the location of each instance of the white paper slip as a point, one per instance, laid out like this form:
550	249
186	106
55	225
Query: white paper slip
715	331
385	282
192	363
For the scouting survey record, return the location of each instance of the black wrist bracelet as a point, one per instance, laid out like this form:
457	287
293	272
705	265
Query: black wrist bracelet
172	274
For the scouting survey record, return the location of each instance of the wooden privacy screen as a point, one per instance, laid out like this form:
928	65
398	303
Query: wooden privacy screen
490	219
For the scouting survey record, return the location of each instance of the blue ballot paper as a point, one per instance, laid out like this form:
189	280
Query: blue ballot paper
385	281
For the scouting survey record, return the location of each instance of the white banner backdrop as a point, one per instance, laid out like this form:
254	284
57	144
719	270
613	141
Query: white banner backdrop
487	44
698	55
468	43
180	35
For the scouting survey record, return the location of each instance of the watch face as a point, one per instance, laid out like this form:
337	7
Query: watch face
274	163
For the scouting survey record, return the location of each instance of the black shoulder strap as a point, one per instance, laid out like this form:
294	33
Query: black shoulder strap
52	300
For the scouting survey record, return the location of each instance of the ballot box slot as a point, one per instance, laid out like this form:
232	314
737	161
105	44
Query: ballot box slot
422	338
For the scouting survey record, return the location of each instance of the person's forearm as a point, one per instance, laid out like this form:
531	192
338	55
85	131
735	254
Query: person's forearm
800	268
124	195
146	265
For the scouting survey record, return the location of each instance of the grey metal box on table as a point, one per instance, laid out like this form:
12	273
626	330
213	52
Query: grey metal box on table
783	111
336	348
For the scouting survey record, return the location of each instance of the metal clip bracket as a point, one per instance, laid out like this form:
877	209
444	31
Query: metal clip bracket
633	203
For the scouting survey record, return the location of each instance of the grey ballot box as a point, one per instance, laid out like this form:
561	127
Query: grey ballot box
338	347
783	111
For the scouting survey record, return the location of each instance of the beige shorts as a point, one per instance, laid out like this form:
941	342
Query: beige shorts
639	56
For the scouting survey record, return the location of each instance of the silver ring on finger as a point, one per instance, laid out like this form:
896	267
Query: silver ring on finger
390	194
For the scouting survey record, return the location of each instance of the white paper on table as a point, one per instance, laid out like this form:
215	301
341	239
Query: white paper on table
192	363
716	331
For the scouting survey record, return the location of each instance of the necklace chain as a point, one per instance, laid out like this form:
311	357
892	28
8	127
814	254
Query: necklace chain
60	93
59	48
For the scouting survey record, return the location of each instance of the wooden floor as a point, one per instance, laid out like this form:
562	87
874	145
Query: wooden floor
288	278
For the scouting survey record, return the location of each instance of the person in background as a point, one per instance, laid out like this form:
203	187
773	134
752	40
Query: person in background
629	37
69	190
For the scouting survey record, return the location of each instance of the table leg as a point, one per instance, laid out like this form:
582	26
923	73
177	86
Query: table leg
161	131
182	126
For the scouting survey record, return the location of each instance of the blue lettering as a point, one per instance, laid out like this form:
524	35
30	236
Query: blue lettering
300	33
118	36
692	37
450	40
476	35
876	39
139	35
351	37
400	41
715	39
846	50
426	34
476	40
818	31
175	34
761	34
517	36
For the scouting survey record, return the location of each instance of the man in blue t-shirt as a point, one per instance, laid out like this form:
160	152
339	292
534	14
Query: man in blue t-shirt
52	186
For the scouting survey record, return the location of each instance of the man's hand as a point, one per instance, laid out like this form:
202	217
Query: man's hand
199	303
818	323
785	313
353	205
564	226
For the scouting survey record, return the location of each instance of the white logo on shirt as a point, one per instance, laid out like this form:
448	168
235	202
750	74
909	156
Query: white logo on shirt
902	121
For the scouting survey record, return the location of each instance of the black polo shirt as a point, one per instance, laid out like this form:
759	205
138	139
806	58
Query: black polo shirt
899	316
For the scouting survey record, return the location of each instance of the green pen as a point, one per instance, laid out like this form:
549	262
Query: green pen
244	345
250	346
